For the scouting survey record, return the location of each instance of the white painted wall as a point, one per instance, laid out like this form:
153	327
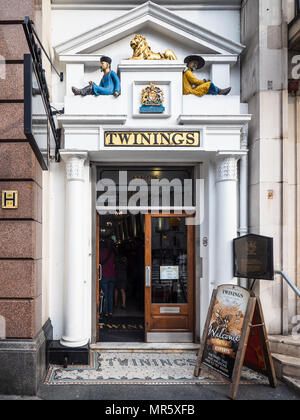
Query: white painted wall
207	230
88	245
80	21
66	24
227	21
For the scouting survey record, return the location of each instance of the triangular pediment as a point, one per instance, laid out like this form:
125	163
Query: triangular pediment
152	17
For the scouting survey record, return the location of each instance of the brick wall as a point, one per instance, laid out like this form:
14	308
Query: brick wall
21	229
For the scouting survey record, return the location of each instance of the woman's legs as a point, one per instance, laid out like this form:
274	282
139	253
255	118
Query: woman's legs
111	287
104	286
123	293
116	297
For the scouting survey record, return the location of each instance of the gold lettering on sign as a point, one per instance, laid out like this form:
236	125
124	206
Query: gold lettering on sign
152	139
9	199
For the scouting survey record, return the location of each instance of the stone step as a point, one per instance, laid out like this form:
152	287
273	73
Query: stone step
170	347
286	366
292	383
286	345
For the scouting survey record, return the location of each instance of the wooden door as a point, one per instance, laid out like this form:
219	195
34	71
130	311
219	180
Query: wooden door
169	277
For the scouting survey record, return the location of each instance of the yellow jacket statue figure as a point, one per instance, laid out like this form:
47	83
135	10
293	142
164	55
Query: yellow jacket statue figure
194	86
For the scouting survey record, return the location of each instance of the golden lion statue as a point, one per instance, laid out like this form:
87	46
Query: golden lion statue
142	51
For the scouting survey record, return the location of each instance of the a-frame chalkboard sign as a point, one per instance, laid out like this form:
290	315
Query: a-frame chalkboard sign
235	336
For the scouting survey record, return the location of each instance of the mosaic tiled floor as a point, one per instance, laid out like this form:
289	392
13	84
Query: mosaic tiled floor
146	368
125	323
122	329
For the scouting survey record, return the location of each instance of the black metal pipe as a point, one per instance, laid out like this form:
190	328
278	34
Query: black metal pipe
29	24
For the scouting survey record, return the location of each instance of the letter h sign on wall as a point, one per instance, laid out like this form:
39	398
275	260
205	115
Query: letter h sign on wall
9	199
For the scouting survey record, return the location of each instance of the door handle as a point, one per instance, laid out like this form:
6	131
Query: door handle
148	276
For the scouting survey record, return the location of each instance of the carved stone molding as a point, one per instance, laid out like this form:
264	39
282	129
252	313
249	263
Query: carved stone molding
74	166
150	12
227	169
244	138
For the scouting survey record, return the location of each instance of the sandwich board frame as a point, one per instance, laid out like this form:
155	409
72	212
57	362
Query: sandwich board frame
225	353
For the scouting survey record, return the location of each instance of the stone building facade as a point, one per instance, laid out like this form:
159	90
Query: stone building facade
21	230
247	157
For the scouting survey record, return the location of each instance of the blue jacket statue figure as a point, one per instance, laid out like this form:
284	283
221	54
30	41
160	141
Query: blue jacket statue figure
109	85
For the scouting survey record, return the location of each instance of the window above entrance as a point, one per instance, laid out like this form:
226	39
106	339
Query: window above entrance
145	188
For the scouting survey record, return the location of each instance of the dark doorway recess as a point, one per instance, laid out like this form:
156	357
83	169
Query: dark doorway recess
125	237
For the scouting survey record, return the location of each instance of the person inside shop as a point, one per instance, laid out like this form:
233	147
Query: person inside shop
121	281
194	86
108	274
109	85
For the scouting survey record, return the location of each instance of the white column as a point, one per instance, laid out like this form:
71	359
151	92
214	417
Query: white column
243	229
73	332
226	218
244	202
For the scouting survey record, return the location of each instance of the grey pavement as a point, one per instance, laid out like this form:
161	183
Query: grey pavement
159	393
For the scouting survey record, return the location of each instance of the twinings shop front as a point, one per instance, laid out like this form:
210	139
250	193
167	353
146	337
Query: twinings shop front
125	185
146	238
145	228
145	198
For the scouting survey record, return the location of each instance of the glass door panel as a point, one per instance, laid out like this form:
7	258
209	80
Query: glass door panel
169	277
169	260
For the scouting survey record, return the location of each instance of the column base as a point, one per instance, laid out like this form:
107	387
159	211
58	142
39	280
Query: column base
73	344
59	354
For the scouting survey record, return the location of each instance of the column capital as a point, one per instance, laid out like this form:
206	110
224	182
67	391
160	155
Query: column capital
74	164
227	168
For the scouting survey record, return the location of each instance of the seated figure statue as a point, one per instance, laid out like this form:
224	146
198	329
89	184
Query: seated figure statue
194	86
109	85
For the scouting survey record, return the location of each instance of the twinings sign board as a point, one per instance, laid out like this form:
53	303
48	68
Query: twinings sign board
235	336
152	139
225	329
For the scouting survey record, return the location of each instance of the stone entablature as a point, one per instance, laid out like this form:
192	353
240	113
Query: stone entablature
86	118
149	14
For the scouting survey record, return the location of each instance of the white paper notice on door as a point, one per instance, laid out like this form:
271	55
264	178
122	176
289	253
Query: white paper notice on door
169	272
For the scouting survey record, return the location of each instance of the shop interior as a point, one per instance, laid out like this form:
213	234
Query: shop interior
124	234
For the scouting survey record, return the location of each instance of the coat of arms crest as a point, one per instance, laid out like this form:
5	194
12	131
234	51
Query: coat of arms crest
152	99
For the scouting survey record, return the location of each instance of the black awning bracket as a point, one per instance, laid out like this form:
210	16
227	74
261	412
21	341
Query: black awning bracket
31	33
36	48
